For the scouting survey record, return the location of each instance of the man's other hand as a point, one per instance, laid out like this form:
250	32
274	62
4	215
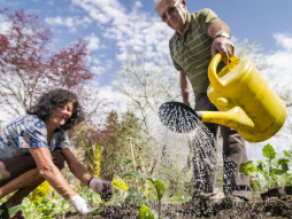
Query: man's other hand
224	46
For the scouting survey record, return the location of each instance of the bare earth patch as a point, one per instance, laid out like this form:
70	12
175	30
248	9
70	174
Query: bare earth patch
278	208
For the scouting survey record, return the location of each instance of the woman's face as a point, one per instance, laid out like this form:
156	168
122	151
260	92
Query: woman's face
61	114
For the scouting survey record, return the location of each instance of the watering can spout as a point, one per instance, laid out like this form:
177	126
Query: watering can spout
235	118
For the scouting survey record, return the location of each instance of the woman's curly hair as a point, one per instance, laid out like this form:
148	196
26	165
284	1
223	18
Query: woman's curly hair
57	97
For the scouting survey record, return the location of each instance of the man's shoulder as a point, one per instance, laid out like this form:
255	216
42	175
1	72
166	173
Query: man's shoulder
204	16
203	12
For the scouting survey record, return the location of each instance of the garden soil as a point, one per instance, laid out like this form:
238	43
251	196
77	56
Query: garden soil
274	207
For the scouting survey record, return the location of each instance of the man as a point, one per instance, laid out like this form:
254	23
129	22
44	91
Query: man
197	38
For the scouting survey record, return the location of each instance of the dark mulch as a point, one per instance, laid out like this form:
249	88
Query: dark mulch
274	207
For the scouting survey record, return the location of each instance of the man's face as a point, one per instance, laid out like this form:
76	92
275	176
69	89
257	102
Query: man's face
175	19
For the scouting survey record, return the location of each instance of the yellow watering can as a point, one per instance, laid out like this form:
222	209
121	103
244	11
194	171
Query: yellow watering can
244	98
247	102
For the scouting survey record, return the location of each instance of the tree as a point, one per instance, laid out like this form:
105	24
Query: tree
29	66
111	147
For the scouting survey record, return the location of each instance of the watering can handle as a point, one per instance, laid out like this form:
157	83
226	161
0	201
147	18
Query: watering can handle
212	71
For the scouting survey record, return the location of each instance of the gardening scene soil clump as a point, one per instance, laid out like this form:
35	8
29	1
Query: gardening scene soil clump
272	207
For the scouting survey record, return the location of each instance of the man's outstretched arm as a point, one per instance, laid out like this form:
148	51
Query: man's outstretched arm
185	87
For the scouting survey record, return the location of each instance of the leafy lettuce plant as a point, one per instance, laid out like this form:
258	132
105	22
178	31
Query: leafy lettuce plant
34	209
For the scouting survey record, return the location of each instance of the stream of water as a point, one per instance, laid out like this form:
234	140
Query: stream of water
178	130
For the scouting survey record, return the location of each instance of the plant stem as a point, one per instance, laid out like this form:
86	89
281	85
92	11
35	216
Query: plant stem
134	162
110	210
159	202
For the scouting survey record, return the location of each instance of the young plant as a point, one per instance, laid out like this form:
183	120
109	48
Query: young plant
34	209
287	176
262	169
48	207
145	212
270	153
250	170
281	167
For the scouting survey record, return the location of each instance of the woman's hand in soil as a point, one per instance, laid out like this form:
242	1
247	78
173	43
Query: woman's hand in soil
104	188
81	206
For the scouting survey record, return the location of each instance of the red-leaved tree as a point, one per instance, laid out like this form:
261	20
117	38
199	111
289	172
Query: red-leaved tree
29	66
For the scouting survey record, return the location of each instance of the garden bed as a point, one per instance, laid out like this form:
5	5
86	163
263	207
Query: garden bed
256	209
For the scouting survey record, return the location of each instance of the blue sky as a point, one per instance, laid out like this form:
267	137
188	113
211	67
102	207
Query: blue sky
97	21
112	27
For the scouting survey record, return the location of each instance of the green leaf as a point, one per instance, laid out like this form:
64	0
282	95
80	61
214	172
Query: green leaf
282	161
45	199
269	152
160	188
247	168
278	172
26	203
285	168
117	188
35	204
12	211
145	213
287	154
96	198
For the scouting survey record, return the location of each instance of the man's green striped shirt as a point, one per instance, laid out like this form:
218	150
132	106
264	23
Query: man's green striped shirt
192	52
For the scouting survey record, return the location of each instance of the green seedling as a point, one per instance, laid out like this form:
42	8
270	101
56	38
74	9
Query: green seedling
46	208
287	176
270	153
34	209
250	170
277	167
272	170
159	187
145	213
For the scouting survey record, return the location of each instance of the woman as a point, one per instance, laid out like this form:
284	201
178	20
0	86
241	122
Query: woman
33	149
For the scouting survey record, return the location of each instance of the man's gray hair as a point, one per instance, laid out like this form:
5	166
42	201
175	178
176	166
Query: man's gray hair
156	2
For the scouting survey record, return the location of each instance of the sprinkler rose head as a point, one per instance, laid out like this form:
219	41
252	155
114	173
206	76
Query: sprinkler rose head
179	117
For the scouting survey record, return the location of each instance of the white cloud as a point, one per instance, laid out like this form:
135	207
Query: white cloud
4	25
100	10
93	42
50	2
70	22
284	40
135	30
280	73
118	100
